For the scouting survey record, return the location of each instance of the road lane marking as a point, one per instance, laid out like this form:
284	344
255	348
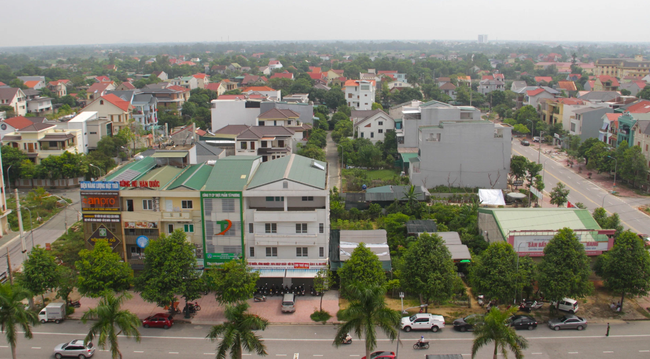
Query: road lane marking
280	355
173	352
138	351
354	355
208	353
103	350
4	346
37	348
573	352
607	352
318	355
644	351
536	353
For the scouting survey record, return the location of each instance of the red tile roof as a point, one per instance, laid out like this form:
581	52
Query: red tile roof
232	97
338	72
316	75
257	88
546	79
278	114
314	69
103	79
641	84
567	85
200	76
613	116
570	101
640	107
612	79
98	87
18	122
31	84
535	92
213	86
201	132
2	83
487	77
285	75
123	105
128	85
178	88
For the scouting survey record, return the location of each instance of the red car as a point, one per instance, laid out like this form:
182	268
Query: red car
159	320
381	355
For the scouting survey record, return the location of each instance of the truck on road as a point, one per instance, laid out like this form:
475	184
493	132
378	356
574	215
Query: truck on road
54	312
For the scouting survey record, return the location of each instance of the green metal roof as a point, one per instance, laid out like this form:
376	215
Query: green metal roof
164	175
169	154
518	219
299	170
230	173
193	178
138	167
407	156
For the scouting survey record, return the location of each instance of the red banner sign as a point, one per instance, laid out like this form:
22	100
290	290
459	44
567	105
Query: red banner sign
146	184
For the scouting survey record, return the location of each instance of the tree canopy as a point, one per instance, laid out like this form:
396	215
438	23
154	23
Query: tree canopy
233	282
363	266
101	271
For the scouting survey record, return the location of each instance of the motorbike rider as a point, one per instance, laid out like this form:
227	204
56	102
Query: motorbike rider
420	341
348	337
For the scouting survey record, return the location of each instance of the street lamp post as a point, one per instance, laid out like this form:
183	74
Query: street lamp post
517	271
8	179
543	178
615	167
539	152
605	196
98	169
532	128
31	225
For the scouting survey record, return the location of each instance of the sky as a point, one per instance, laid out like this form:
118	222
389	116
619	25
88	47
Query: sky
83	22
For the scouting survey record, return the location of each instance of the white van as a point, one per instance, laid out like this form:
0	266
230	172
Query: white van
567	305
288	303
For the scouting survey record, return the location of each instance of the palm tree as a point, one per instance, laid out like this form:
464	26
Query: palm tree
411	196
110	319
13	313
238	332
367	310
494	328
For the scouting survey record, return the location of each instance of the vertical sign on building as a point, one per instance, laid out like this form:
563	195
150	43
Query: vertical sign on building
223	226
100	204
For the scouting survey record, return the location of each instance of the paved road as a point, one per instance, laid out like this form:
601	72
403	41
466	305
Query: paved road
585	191
47	233
628	340
331	153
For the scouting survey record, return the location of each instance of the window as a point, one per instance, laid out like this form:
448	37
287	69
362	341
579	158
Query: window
252	145
271	227
243	145
129	205
250	228
321	228
188	228
309	198
271	251
147	204
380	123
381	130
372	135
289	122
349	95
263	145
280	143
285	184
301	252
275	199
321	252
362	135
301	227
252	251
228	205
186	204
170	228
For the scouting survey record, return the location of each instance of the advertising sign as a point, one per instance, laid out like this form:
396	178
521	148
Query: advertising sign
223	226
140	225
100	202
142	241
101	218
99	186
533	245
264	264
103	233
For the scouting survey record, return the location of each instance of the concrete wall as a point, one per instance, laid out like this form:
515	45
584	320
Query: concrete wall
591	123
305	110
463	154
232	112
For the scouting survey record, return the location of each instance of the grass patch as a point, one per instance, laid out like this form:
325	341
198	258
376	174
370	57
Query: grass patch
383	175
320	316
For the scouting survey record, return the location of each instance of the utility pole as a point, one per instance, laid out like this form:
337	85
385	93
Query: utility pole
11	277
20	222
539	152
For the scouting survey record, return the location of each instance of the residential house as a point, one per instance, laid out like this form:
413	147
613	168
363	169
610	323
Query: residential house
112	108
489	84
59	87
442	80
449	89
272	94
269	142
372	124
41	140
217	87
250	80
33	82
219	69
454	146
15	98
633	86
282	75
36	103
359	94
235	111
170	97
274	65
161	75
145	110
334	75
588	122
14	124
602	83
623	67
569	87
297	97
609	129
598	96
201	80
305	110
639	109
188	82
543	80
99	89
533	97
91	127
321	86
642	137
234	67
103	79
265	70
626	126
561	110
285	118
125	86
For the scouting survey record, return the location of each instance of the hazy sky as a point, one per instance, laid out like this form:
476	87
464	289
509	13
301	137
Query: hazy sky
75	22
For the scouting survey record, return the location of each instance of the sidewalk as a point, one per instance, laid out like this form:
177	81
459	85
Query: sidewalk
212	313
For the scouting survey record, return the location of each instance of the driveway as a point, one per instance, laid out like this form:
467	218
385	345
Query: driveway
332	156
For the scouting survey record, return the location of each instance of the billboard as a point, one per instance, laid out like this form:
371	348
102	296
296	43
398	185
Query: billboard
101	218
533	245
100	202
223	226
103	233
99	186
140	225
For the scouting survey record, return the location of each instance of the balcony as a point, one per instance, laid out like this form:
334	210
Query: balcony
286	239
273	150
176	216
278	215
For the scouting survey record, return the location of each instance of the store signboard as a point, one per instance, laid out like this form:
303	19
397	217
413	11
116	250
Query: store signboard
533	245
140	225
102	233
101	218
99	186
223	226
100	202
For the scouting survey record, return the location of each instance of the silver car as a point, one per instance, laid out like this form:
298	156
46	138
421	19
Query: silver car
75	349
568	321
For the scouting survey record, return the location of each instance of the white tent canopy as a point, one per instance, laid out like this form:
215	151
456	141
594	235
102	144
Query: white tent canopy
491	197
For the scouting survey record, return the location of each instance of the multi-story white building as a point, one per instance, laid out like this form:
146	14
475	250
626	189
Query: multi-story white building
360	94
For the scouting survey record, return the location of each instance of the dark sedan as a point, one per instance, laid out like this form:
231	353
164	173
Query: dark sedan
467	323
525	143
523	322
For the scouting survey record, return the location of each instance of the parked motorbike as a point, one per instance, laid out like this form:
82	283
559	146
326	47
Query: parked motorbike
481	300
347	339
421	345
312	291
194	305
75	304
259	298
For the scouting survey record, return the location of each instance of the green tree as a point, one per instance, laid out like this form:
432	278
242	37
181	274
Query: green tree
625	268
169	269
564	270
110	322
39	273
238	333
559	195
427	269
644	94
363	266
495	273
608	222
322	283
14	157
67	282
634	167
366	312
312	151
493	328
233	282
377	106
101	271
518	165
13	314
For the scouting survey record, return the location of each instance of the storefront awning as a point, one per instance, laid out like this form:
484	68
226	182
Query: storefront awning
301	273
271	273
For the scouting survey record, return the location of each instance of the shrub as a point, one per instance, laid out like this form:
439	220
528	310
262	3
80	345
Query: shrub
320	316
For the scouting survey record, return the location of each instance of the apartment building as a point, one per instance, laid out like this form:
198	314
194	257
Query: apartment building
360	94
42	140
